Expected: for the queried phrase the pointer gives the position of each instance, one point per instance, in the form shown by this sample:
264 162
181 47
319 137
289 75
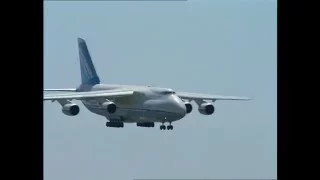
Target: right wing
88 95
201 97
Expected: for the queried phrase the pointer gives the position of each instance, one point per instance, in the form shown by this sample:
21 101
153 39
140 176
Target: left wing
89 95
202 97
62 90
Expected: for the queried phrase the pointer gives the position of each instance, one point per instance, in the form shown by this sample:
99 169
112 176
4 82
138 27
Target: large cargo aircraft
143 105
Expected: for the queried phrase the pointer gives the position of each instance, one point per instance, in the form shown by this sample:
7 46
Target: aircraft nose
179 106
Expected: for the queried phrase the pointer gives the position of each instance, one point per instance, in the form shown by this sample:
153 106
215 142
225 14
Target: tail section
88 73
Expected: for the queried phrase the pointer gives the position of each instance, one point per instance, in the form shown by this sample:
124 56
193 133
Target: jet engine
206 109
110 106
188 107
70 109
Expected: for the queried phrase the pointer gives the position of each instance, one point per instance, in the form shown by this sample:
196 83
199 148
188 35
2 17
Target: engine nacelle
206 109
70 109
188 107
110 106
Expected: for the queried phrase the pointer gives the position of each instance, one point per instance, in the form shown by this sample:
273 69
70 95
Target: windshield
167 92
162 91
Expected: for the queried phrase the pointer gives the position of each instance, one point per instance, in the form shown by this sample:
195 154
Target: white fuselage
148 104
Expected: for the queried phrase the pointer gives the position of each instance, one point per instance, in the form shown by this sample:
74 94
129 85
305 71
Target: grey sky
219 47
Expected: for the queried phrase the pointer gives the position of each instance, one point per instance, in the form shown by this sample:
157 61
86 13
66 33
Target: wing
89 95
63 90
202 97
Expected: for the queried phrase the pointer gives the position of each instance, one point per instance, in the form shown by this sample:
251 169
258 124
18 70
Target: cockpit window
168 92
162 91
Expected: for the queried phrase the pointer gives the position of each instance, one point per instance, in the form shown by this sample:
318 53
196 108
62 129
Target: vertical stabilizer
88 73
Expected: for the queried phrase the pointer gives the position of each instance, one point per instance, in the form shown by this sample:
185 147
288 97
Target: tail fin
88 73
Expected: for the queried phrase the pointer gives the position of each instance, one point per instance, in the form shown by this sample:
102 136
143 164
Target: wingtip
245 98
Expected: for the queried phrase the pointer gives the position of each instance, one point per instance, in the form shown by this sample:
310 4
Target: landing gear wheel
162 127
170 127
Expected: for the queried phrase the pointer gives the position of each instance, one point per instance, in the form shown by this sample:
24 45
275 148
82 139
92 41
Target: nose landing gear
163 127
170 127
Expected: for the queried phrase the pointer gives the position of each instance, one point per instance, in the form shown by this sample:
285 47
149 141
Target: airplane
119 104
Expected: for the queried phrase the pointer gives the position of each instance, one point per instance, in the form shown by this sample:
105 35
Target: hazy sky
208 46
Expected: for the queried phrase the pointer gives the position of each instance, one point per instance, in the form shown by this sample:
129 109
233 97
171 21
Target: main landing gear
163 127
145 124
115 124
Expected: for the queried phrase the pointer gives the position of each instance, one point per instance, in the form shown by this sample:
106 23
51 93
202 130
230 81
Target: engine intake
110 106
188 107
70 109
206 109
